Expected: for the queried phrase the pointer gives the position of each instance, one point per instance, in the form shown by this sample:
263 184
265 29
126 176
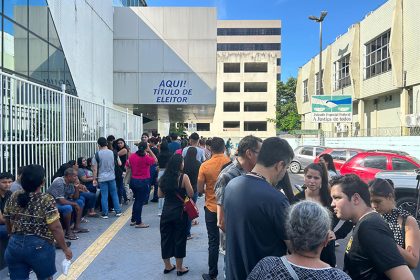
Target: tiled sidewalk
135 253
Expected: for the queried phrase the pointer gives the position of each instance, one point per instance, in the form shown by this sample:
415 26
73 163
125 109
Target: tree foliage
287 117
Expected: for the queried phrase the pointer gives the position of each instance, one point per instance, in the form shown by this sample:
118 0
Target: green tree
287 117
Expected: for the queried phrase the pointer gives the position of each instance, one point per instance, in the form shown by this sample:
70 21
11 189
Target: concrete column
361 116
404 101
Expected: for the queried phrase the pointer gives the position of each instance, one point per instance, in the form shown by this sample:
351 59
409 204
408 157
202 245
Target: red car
367 164
339 155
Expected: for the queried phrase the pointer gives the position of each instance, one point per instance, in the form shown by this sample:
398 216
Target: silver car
304 155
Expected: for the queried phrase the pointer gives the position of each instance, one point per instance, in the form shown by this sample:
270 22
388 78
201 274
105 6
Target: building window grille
248 31
305 91
231 107
255 126
231 87
231 67
203 126
342 72
377 59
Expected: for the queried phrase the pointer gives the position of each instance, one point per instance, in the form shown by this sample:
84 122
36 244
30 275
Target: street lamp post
320 19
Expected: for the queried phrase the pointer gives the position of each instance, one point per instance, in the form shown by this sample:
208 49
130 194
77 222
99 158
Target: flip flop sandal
71 236
141 226
81 230
166 271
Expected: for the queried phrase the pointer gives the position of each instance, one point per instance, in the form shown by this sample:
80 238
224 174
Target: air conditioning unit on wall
412 120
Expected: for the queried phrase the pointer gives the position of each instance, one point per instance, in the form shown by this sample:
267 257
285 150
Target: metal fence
376 132
43 126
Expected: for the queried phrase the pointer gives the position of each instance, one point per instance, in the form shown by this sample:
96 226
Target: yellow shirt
208 173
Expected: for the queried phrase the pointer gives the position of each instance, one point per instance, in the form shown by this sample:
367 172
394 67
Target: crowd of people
251 213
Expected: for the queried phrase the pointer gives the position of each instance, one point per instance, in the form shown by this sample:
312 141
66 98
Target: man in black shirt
371 252
255 211
6 180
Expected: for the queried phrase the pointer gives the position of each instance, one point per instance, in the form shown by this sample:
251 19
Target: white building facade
375 62
248 67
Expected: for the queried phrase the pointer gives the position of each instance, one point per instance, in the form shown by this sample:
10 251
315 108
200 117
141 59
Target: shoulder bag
189 206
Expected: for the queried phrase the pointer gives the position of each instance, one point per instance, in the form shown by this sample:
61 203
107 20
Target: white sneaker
104 216
118 214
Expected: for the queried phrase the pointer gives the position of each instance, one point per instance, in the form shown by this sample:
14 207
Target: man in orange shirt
207 177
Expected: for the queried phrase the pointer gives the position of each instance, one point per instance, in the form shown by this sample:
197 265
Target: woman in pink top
140 163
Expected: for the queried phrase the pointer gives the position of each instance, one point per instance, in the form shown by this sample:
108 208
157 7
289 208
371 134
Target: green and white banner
332 109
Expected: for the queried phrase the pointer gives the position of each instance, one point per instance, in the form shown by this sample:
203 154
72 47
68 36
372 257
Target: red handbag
189 207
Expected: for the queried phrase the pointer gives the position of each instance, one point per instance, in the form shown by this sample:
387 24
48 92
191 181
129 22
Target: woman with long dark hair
174 186
316 188
328 161
403 225
140 163
123 152
33 222
191 168
85 175
163 158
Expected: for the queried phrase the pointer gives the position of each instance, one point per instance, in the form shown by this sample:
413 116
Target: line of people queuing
271 233
247 199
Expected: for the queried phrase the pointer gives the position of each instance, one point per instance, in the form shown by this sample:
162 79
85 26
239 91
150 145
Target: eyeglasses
255 152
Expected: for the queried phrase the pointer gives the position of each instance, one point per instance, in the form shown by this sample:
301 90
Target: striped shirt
231 171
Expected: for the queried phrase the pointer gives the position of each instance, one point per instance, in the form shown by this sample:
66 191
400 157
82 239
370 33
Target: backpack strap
404 221
289 268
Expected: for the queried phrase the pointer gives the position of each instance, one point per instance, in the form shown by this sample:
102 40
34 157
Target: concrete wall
85 28
152 44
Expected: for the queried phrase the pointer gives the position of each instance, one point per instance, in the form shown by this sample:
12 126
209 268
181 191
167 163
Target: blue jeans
194 198
89 199
122 195
111 187
140 188
3 232
30 252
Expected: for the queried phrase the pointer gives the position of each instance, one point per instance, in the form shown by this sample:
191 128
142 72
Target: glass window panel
402 164
38 59
38 18
70 87
52 32
377 162
56 67
17 10
15 48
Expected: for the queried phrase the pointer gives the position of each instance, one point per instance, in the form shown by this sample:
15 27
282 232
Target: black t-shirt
3 200
255 215
163 159
371 250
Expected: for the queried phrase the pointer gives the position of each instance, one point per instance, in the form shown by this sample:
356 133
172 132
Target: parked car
367 164
339 155
405 185
304 155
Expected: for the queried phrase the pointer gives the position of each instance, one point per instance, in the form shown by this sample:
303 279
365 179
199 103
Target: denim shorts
26 252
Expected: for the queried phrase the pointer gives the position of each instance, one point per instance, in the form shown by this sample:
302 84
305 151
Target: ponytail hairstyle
382 187
142 149
32 178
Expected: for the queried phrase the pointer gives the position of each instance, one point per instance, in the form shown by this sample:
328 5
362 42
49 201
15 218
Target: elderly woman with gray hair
308 228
